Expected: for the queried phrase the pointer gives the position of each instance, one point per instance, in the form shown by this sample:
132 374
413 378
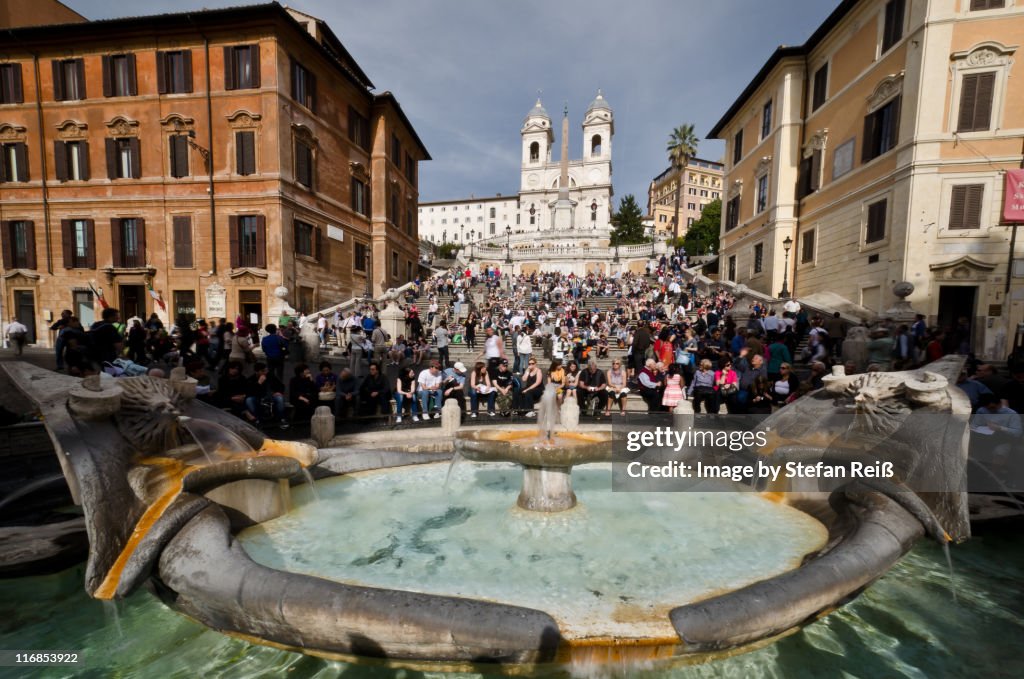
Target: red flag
1013 197
99 297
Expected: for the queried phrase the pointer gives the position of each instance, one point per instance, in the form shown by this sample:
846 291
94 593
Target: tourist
405 395
673 393
379 339
374 392
76 348
470 330
617 389
702 388
651 386
429 390
275 350
453 386
973 388
302 393
996 430
265 392
727 384
504 389
818 372
494 350
480 387
592 385
532 387
556 376
105 340
17 335
524 348
346 394
241 347
760 400
881 349
778 353
59 326
137 339
572 374
784 385
441 340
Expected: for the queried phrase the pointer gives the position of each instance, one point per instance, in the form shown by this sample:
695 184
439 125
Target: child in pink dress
673 389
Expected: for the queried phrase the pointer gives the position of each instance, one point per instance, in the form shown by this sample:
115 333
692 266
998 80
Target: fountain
402 570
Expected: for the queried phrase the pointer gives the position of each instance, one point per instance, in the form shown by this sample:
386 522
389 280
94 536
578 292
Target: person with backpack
275 351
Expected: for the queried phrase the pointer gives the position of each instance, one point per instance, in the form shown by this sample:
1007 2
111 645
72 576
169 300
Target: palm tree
682 145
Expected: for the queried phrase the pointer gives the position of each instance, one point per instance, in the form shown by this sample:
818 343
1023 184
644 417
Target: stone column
392 319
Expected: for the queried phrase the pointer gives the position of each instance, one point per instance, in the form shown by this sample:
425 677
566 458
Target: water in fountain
216 441
311 483
547 412
451 467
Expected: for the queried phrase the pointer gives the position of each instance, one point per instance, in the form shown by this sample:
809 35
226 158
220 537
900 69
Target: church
556 196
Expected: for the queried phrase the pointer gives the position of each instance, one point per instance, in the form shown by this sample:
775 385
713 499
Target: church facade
587 207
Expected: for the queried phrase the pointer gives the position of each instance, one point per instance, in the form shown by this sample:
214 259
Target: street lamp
508 244
369 274
462 235
786 245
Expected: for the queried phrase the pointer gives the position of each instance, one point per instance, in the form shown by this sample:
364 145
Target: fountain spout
547 413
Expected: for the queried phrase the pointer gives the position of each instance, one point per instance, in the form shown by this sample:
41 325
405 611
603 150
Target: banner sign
1013 197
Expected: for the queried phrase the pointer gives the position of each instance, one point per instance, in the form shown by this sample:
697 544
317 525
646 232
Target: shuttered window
358 129
11 89
737 147
245 152
303 86
965 206
820 91
123 160
14 162
128 242
893 29
976 93
732 268
119 78
876 222
396 151
810 174
68 79
987 4
174 72
303 164
248 241
182 238
881 130
304 239
79 243
766 119
360 197
732 213
360 253
71 160
241 67
807 247
19 244
177 147
758 258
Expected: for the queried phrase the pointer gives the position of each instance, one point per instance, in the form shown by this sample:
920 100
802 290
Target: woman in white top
617 389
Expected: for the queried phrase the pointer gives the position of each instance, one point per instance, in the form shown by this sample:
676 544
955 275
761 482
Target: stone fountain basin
528 447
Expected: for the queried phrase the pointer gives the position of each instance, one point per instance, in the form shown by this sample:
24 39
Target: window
691 206
703 193
534 152
79 241
307 240
245 152
360 256
174 72
732 214
119 76
128 242
876 222
182 235
19 244
820 91
177 146
303 86
977 5
241 67
185 304
248 234
492 213
303 164
395 213
358 129
810 174
893 28
396 151
410 169
690 221
11 90
360 197
123 158
593 213
759 258
807 247
491 226
68 79
595 145
976 94
766 120
965 206
881 130
762 193
14 162
737 147
732 267
306 297
408 271
71 160
394 265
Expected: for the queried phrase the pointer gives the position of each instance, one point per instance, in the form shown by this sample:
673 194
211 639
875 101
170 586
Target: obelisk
564 207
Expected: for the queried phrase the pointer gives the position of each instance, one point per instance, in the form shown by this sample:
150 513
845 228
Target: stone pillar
682 414
392 319
570 415
547 489
321 426
451 418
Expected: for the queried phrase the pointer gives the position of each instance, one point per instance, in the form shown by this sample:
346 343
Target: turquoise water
905 625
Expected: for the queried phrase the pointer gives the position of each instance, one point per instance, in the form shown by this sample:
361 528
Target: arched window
595 145
534 152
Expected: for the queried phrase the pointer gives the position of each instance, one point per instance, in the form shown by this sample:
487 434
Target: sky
466 72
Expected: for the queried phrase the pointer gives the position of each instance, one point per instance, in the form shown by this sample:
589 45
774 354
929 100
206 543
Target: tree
628 221
682 145
447 250
702 236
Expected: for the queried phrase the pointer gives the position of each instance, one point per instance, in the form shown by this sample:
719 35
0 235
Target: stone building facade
702 184
878 149
207 159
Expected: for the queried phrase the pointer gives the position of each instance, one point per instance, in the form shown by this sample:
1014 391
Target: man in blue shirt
275 350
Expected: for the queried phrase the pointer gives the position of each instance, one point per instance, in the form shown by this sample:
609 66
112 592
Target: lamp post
369 274
508 244
472 240
786 245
